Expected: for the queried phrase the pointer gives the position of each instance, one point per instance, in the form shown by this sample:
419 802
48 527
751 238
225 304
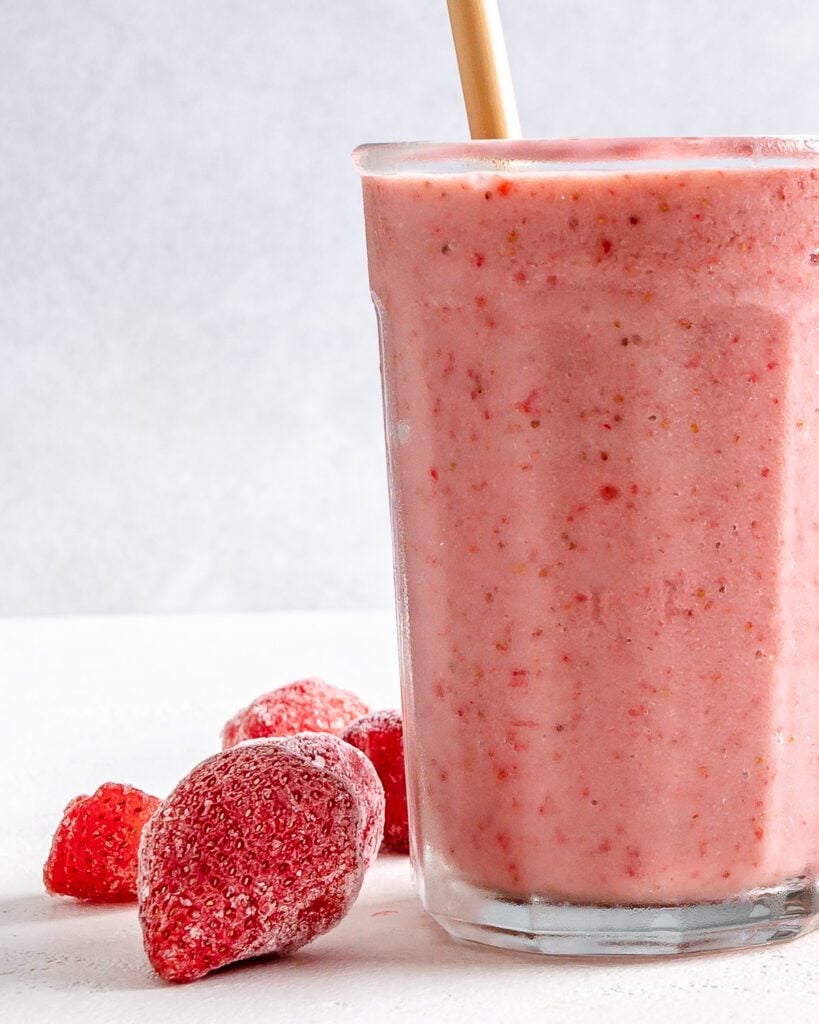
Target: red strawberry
381 737
93 853
258 850
308 705
326 751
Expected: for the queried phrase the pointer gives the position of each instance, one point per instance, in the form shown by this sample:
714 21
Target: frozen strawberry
324 750
381 737
257 851
308 705
93 853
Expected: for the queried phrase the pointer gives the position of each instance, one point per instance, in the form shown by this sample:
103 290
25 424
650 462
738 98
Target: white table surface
141 700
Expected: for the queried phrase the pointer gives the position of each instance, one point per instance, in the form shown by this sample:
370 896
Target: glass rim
551 156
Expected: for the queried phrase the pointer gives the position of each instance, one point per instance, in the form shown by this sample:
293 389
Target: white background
189 400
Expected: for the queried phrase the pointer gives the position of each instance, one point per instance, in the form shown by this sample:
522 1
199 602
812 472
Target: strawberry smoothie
602 405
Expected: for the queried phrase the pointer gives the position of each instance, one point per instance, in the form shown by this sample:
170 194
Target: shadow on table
391 937
35 908
54 942
60 944
398 935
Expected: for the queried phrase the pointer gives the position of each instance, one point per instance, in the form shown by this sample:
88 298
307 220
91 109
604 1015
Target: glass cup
600 366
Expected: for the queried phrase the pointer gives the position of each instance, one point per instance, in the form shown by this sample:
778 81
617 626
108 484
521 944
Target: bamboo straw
483 64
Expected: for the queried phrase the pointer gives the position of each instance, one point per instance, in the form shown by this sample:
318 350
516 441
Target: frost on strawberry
257 851
307 705
380 736
93 853
357 770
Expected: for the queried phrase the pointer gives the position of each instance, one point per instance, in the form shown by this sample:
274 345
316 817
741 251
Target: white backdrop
189 402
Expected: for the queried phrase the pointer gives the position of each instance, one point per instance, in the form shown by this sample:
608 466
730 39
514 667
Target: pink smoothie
602 397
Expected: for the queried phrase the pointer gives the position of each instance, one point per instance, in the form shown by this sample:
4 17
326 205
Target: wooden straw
483 64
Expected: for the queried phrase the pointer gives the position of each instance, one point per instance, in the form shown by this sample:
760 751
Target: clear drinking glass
601 388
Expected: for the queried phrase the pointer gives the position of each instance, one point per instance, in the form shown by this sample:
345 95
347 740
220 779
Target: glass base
759 917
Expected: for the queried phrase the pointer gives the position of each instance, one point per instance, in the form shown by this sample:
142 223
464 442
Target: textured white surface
142 700
189 399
